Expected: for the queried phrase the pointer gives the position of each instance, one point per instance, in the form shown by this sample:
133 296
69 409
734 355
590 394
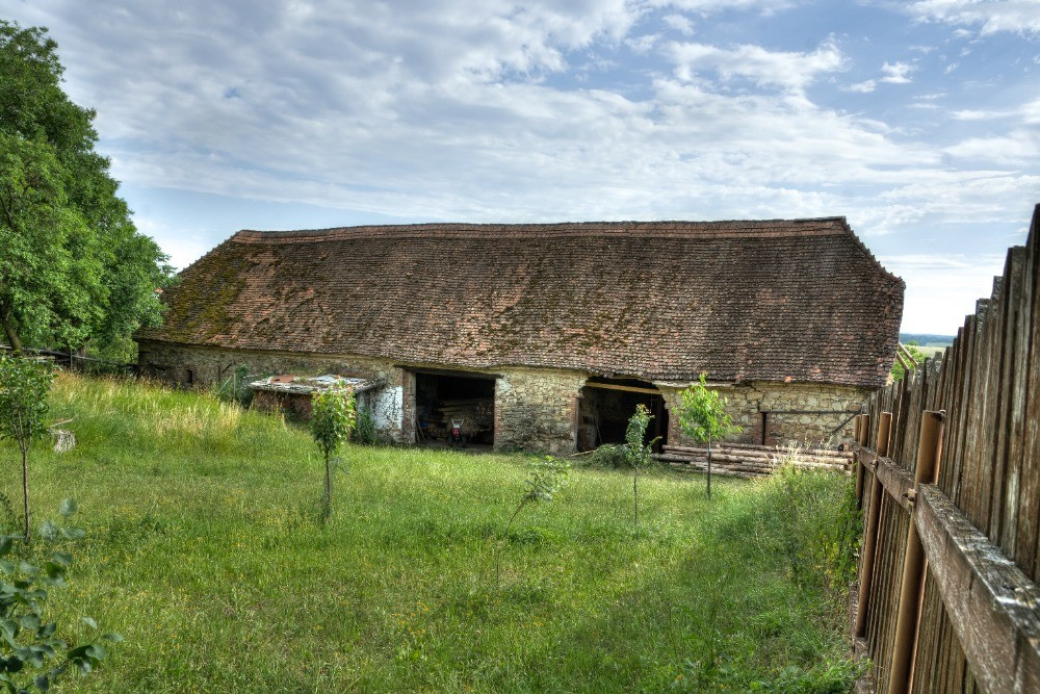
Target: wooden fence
948 477
74 361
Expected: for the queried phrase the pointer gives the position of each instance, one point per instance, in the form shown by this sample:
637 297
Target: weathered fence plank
897 481
1011 387
1029 484
970 621
994 606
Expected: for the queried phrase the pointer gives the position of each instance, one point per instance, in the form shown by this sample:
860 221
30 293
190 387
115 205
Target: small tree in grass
545 480
638 452
24 385
703 417
331 423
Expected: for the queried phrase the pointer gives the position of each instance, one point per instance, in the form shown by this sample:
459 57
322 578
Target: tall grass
205 551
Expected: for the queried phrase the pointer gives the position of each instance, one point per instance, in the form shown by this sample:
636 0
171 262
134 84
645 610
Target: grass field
932 352
204 550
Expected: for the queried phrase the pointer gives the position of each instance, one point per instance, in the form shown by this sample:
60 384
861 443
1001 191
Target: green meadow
206 552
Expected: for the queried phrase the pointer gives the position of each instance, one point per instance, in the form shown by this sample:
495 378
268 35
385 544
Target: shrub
546 478
820 550
24 385
611 456
703 417
365 432
32 655
331 422
638 452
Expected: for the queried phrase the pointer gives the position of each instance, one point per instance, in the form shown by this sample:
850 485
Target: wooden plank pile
749 461
477 415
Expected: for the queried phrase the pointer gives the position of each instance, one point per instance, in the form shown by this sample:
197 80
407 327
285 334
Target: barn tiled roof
762 300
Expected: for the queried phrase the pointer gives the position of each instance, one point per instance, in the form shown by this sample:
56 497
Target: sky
918 121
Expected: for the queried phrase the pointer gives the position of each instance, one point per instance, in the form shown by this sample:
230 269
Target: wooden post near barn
861 432
914 564
870 529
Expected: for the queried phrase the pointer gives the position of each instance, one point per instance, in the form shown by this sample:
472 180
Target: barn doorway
606 405
444 397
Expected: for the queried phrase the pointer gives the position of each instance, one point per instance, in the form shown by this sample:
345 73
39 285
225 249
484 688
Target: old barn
547 335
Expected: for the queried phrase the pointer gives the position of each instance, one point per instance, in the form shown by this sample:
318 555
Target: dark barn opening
607 404
443 398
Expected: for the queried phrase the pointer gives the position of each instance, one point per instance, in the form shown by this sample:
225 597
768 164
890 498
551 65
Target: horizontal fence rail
948 477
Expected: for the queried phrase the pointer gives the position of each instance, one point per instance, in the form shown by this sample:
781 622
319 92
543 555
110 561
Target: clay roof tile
747 300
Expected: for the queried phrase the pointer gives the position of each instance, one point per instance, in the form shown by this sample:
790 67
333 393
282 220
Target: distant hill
927 340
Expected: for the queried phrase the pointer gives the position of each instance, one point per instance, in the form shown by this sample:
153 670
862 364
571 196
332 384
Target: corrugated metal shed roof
304 385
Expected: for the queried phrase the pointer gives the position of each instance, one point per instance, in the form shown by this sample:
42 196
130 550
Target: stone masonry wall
208 366
536 409
793 413
205 367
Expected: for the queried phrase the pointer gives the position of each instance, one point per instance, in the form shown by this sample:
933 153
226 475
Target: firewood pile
749 461
477 415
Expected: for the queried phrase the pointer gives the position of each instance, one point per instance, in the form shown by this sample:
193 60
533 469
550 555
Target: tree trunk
709 467
635 492
25 490
10 329
327 511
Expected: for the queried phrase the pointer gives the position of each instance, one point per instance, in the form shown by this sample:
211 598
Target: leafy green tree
638 452
898 373
73 269
24 385
332 420
703 417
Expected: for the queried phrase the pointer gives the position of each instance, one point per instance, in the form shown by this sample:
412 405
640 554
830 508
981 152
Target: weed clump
365 432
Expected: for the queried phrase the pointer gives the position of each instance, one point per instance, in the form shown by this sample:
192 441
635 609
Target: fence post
861 440
907 622
870 530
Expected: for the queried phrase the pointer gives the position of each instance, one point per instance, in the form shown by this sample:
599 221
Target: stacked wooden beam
749 461
477 415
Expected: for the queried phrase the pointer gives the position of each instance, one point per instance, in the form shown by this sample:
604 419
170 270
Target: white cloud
1014 149
896 73
474 110
643 44
680 23
976 115
781 69
991 16
945 287
765 7
183 246
1030 112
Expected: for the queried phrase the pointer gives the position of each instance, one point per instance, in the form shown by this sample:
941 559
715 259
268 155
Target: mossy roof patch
759 300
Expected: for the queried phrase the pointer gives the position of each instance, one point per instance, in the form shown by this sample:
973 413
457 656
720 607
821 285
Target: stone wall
208 366
790 413
205 367
536 409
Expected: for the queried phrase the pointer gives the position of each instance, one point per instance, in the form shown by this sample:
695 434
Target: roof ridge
859 244
787 227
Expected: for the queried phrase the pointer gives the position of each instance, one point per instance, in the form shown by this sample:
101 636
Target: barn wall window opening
607 404
443 400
